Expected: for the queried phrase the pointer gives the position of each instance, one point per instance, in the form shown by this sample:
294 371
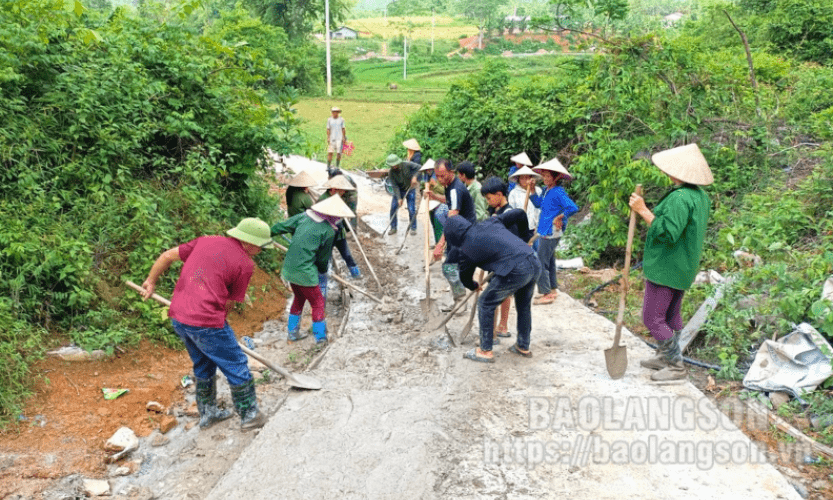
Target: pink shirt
215 269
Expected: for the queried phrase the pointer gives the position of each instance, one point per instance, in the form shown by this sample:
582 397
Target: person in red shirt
215 275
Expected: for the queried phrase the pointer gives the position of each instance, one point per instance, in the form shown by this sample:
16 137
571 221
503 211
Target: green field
414 26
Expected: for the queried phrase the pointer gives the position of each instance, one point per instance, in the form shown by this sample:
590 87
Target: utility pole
327 43
405 58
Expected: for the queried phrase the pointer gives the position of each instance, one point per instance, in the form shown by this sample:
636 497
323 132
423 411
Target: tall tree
482 12
299 18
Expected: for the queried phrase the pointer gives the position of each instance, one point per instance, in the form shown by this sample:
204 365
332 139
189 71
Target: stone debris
159 440
155 406
123 440
133 492
75 353
167 423
96 487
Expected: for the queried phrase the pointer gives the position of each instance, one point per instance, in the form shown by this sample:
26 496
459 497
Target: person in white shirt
517 196
336 135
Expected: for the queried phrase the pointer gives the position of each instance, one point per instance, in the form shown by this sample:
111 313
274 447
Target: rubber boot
293 327
322 284
210 413
245 403
660 359
355 272
319 330
674 357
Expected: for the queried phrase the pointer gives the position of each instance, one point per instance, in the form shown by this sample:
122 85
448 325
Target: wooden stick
789 429
366 260
158 298
354 287
528 192
620 317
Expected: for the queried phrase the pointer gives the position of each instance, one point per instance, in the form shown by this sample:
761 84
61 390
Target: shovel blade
430 310
304 382
616 359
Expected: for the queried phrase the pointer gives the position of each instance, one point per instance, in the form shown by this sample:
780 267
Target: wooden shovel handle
620 317
158 298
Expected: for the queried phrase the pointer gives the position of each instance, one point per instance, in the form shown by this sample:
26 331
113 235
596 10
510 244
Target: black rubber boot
206 394
663 354
245 403
675 370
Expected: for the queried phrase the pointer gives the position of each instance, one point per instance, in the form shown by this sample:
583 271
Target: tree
299 18
482 12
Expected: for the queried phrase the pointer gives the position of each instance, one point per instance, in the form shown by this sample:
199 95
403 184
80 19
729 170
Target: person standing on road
339 185
215 274
465 171
436 208
673 248
491 247
306 261
402 177
517 195
297 196
413 151
556 207
459 202
494 190
336 135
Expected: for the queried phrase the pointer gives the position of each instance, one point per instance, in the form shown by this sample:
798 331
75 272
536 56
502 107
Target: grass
370 125
445 28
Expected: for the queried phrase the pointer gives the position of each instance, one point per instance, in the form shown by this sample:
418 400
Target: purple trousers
661 310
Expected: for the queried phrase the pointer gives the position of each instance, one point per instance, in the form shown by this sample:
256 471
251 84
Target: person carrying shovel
491 247
673 247
306 261
215 275
403 179
339 185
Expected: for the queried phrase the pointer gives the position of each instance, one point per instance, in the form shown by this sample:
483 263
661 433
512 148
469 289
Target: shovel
405 237
366 260
616 357
437 325
429 306
467 328
354 287
295 380
396 212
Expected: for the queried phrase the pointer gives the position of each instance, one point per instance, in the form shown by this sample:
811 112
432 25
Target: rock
167 423
192 410
155 406
133 492
73 353
121 471
819 484
746 259
778 399
96 487
123 440
159 440
190 425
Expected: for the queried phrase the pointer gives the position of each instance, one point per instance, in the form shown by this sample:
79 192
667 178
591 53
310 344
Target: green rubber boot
210 413
675 370
663 354
245 403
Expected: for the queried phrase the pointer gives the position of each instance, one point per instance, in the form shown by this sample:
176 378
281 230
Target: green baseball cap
393 160
252 230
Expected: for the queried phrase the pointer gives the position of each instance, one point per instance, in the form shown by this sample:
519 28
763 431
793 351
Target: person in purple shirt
556 207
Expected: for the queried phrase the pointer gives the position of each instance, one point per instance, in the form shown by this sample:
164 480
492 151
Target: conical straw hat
412 144
302 180
334 206
522 158
339 182
685 163
429 165
525 171
555 166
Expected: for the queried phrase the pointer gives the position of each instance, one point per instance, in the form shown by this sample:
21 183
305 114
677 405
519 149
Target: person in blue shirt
556 207
514 267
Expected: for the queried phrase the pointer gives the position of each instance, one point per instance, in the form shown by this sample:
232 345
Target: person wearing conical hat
339 185
673 247
215 274
413 151
336 135
297 195
435 208
403 179
518 161
306 260
517 195
556 207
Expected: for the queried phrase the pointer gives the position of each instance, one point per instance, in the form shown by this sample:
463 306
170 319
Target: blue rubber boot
319 329
355 272
293 327
322 284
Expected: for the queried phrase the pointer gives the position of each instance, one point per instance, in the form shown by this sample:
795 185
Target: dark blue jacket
487 245
458 198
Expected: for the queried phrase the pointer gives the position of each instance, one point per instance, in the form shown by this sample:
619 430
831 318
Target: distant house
672 19
344 33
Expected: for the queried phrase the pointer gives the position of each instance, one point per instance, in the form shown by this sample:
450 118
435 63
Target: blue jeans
546 254
212 348
344 250
520 282
394 205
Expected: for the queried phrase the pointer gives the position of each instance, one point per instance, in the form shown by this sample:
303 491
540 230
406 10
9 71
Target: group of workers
510 231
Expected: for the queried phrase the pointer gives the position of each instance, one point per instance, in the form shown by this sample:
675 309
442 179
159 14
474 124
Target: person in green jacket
673 247
465 171
306 260
298 198
340 185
